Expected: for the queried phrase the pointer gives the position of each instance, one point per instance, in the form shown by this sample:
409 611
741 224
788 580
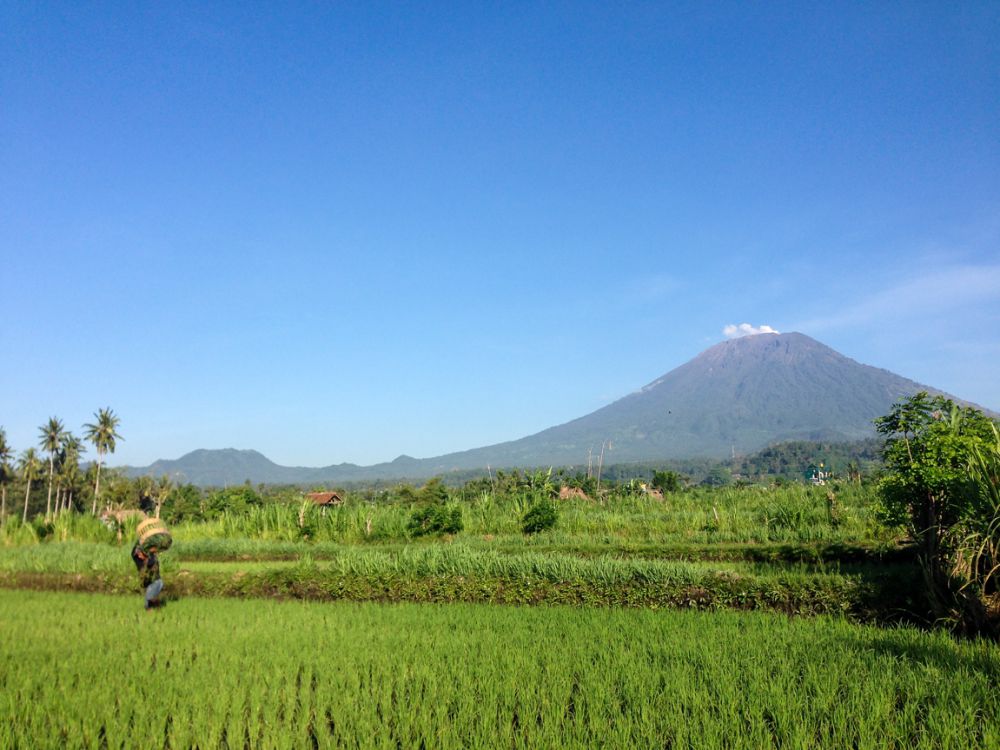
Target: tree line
67 483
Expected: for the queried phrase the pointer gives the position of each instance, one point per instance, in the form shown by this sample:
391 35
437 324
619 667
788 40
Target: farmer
148 566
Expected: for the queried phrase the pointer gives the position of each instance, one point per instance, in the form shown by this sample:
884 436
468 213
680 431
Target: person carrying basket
153 538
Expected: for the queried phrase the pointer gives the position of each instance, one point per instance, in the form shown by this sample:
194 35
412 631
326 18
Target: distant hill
220 467
215 468
227 466
738 396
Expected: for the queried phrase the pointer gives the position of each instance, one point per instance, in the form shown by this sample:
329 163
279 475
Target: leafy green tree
186 503
718 476
50 440
6 471
118 491
103 434
237 499
666 481
434 491
30 466
930 454
406 493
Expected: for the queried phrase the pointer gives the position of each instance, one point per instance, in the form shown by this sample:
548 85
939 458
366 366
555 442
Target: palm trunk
48 501
27 492
3 503
97 482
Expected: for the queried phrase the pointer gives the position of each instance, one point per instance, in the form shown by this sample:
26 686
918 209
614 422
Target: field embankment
456 573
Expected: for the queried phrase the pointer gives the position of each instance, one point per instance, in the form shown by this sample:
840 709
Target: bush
541 516
435 519
666 481
937 475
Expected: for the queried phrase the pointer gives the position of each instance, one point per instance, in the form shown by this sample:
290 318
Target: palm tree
51 435
161 490
30 466
6 453
103 436
69 467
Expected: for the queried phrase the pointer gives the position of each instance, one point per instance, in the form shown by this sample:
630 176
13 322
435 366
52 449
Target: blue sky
344 232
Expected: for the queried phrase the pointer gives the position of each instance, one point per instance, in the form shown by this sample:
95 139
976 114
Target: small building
325 499
818 475
572 493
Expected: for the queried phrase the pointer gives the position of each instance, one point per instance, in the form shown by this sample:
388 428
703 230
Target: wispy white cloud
929 294
732 331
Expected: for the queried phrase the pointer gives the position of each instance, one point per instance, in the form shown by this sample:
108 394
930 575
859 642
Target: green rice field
93 670
735 619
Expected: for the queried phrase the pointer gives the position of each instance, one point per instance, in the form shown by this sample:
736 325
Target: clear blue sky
341 232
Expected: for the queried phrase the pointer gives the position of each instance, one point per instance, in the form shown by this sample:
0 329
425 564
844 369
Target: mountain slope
220 467
738 395
741 394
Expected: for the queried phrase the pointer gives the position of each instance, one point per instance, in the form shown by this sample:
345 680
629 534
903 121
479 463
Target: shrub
435 519
540 517
934 457
666 481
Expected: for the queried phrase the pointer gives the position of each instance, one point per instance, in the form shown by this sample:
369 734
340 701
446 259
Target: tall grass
460 573
409 561
794 514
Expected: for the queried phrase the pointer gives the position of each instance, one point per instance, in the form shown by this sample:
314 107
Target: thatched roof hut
325 499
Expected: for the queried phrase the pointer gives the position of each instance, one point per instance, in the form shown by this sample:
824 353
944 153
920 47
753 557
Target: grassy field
84 670
749 516
657 623
792 514
456 572
784 549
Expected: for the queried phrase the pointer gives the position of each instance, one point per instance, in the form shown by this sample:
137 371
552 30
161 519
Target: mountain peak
740 394
743 394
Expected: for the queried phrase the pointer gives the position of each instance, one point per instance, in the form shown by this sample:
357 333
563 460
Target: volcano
738 396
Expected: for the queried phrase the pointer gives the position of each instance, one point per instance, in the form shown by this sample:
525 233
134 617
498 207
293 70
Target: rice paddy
84 670
655 624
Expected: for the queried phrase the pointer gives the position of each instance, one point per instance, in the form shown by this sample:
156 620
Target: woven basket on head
153 533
